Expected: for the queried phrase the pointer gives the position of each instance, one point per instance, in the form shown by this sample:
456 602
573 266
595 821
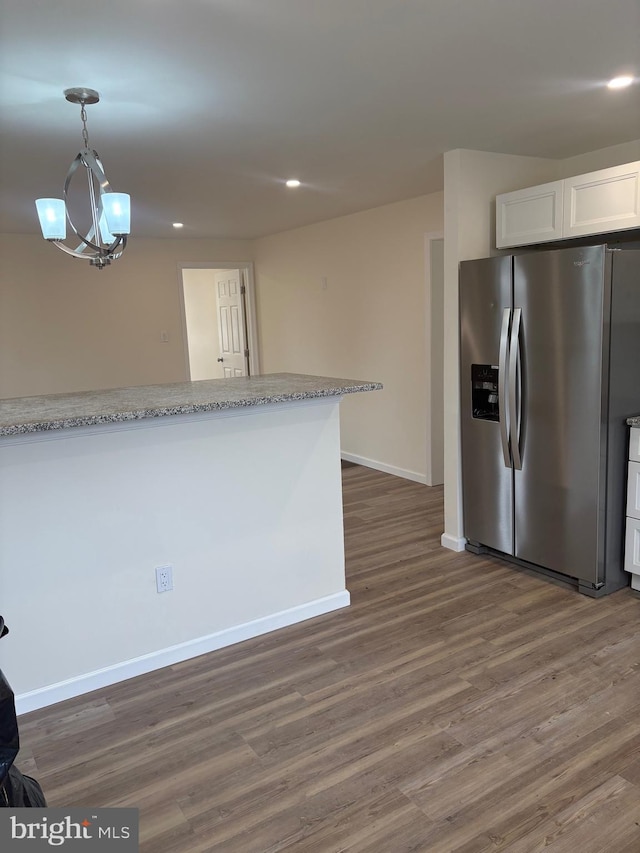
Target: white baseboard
453 543
52 693
382 466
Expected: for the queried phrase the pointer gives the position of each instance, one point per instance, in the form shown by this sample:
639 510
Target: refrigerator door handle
515 398
502 387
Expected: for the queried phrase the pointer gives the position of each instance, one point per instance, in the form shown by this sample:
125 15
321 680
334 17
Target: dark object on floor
9 740
21 792
16 789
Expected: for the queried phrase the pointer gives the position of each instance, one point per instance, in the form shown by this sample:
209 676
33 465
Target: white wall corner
453 543
414 476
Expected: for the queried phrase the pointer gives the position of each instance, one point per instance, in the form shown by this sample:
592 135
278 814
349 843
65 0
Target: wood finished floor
457 705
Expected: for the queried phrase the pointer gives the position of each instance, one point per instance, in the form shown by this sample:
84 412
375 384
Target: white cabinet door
532 215
633 490
632 537
606 200
632 551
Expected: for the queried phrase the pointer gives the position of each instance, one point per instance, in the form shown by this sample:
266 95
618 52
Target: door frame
249 307
434 368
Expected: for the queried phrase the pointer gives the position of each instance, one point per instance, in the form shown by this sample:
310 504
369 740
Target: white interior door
231 329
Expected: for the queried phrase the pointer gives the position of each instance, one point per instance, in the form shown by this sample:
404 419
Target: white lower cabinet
632 551
633 490
632 538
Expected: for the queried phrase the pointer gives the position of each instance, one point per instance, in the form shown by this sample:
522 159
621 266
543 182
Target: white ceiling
207 106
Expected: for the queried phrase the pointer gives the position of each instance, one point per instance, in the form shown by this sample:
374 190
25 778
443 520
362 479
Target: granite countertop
21 415
634 422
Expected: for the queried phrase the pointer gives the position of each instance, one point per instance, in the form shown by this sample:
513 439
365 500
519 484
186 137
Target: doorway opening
217 301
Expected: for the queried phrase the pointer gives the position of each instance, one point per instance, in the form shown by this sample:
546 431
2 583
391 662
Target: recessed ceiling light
620 82
178 225
293 183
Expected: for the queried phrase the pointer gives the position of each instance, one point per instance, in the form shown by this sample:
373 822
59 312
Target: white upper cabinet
608 200
596 203
533 215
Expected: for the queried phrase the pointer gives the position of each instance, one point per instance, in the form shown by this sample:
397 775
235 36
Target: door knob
221 359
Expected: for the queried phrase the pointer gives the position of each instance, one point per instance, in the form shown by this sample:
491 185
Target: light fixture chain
85 132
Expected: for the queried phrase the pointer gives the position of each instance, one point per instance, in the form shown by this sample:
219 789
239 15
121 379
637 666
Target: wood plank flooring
458 706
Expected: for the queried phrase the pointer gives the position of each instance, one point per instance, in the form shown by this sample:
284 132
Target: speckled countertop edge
23 415
634 421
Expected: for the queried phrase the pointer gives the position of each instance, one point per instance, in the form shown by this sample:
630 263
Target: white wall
200 308
472 181
616 155
65 326
244 504
369 322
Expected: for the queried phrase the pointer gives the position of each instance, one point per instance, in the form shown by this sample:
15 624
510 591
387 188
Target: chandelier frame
99 246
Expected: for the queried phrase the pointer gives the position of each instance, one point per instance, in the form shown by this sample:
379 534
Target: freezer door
558 519
487 477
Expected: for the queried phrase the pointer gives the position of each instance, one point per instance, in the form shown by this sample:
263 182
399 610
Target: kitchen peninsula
233 484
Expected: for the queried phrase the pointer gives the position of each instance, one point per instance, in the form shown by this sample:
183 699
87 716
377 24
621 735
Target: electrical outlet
164 578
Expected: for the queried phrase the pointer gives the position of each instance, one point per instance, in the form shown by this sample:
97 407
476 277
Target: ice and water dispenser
484 392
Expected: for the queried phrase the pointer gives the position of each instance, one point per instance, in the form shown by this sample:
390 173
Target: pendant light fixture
106 239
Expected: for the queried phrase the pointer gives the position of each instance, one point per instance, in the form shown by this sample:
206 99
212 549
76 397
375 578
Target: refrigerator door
485 321
558 516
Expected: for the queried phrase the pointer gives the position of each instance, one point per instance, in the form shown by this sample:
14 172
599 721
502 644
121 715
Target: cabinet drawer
633 490
632 546
634 445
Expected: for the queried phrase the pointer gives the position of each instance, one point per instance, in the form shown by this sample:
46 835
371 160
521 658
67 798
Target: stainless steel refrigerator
549 371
